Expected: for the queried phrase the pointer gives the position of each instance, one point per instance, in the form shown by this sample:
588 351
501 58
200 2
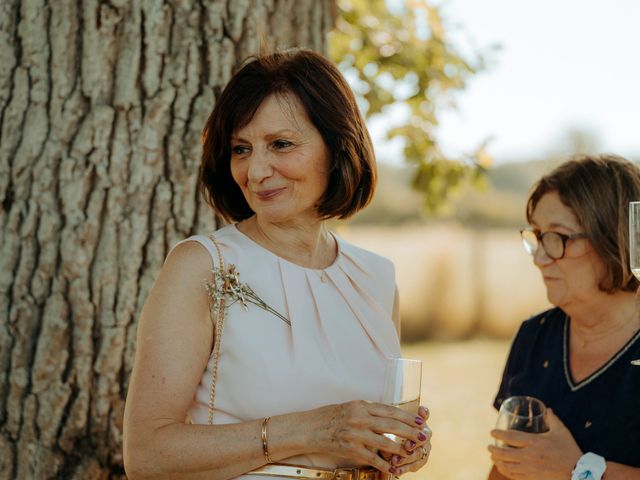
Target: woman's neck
611 315
306 244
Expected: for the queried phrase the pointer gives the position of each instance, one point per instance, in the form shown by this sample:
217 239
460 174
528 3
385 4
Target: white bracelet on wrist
589 467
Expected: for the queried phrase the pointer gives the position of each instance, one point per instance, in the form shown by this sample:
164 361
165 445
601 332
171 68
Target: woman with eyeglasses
577 356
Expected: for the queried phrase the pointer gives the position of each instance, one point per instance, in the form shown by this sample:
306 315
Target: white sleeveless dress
334 351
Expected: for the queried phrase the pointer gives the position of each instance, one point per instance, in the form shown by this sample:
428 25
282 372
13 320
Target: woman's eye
240 149
281 144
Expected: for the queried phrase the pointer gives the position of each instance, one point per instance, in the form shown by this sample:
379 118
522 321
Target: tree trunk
102 104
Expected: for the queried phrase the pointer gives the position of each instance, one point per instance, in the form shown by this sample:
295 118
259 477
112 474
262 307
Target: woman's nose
540 257
259 167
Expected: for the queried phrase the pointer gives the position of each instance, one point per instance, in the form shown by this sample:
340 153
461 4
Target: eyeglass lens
551 242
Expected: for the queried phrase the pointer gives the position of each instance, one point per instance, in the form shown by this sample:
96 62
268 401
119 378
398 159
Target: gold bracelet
265 446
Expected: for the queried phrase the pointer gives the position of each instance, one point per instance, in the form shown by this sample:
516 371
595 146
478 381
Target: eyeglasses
553 243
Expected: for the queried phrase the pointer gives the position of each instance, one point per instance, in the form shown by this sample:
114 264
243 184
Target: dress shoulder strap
216 309
208 243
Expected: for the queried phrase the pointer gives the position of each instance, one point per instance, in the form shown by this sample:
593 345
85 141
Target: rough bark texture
101 108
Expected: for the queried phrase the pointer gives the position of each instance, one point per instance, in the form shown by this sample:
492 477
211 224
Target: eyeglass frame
539 237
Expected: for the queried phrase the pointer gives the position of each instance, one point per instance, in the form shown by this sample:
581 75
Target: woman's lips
268 194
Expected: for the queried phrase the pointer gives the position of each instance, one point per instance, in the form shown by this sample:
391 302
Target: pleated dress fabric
334 351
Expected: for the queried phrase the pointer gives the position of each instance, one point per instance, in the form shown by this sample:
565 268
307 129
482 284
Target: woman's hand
355 430
551 455
416 455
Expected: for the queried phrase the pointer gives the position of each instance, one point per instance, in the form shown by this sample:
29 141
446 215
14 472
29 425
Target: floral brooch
227 285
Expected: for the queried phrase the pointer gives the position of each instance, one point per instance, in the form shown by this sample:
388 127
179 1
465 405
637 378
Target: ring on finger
424 453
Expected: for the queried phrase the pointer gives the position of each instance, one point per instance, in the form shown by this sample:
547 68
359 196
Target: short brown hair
598 189
331 107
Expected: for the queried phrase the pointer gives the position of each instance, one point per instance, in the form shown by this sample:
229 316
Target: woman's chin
555 298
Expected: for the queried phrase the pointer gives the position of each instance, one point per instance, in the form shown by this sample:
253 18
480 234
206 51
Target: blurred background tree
399 61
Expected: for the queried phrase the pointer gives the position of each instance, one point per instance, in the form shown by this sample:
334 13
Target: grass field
459 382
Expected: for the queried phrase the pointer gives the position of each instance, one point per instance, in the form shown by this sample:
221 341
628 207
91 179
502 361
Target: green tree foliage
397 53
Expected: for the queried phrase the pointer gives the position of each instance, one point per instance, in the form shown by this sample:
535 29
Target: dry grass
459 382
456 282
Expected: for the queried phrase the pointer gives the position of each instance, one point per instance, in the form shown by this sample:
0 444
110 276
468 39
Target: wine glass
526 414
634 245
401 388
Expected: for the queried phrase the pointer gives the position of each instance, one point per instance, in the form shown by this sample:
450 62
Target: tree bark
102 104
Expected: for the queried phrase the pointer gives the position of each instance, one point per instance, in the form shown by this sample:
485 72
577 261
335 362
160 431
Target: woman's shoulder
228 233
364 258
188 255
206 245
551 315
538 335
542 323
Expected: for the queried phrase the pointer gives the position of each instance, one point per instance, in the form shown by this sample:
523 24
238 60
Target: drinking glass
401 388
526 414
634 245
634 238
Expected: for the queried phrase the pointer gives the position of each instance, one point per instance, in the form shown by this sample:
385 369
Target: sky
562 65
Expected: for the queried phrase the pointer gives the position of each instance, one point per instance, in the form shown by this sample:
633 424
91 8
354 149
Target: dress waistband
299 471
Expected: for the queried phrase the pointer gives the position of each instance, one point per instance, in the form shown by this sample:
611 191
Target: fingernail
411 445
422 437
419 420
396 459
393 470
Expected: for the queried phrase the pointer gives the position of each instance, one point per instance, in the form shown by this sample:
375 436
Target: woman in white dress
293 374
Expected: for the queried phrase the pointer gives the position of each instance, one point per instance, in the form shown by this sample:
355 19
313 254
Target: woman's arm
617 471
551 455
173 346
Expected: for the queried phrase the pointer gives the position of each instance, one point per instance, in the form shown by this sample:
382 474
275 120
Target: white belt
299 471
